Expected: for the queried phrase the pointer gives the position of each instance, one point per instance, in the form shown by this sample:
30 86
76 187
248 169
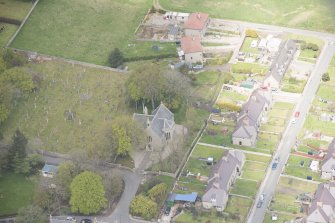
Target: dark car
259 204
309 178
274 166
167 210
85 220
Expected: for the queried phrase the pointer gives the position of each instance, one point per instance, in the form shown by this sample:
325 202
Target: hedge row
228 106
150 57
10 21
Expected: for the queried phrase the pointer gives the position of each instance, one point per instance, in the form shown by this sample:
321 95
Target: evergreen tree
116 58
17 151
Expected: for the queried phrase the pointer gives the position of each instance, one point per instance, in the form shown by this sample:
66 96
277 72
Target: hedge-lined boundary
150 57
10 21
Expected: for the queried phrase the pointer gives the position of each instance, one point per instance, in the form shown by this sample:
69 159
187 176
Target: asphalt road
289 137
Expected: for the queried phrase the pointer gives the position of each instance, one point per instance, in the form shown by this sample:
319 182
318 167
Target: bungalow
222 177
322 209
280 64
192 51
250 117
49 170
196 25
328 164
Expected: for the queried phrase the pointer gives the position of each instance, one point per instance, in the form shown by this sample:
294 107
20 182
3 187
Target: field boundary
70 61
22 24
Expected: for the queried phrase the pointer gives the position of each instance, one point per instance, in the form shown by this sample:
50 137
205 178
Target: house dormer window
149 139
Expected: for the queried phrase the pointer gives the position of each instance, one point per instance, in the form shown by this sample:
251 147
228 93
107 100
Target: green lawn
253 174
207 78
313 123
16 191
88 31
287 191
258 158
187 217
7 33
231 96
15 9
192 185
245 188
293 168
281 217
247 68
307 14
92 94
293 85
267 141
238 206
283 105
214 134
196 166
246 47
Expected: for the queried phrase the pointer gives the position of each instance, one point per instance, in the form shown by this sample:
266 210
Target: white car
294 121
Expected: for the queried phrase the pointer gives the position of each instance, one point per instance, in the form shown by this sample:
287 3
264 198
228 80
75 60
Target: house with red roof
196 25
191 49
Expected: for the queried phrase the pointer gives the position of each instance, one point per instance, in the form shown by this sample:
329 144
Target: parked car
259 204
297 114
274 166
261 198
70 218
309 178
198 67
86 220
294 121
167 210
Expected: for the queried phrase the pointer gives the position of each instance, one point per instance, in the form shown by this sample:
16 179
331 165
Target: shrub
251 33
325 77
227 77
229 106
14 59
116 58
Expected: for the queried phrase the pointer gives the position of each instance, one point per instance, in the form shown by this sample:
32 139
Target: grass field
286 194
88 31
7 33
248 68
16 191
15 9
244 187
307 14
294 168
93 95
246 47
196 166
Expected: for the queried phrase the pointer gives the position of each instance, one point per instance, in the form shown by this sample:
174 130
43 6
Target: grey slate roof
218 183
282 60
250 113
323 196
330 152
160 119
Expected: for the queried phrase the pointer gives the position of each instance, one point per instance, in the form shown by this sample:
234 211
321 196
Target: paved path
268 186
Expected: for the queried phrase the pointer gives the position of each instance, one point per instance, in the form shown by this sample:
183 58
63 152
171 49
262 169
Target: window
167 136
149 139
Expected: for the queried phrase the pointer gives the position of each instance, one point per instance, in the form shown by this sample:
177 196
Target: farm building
191 49
196 25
